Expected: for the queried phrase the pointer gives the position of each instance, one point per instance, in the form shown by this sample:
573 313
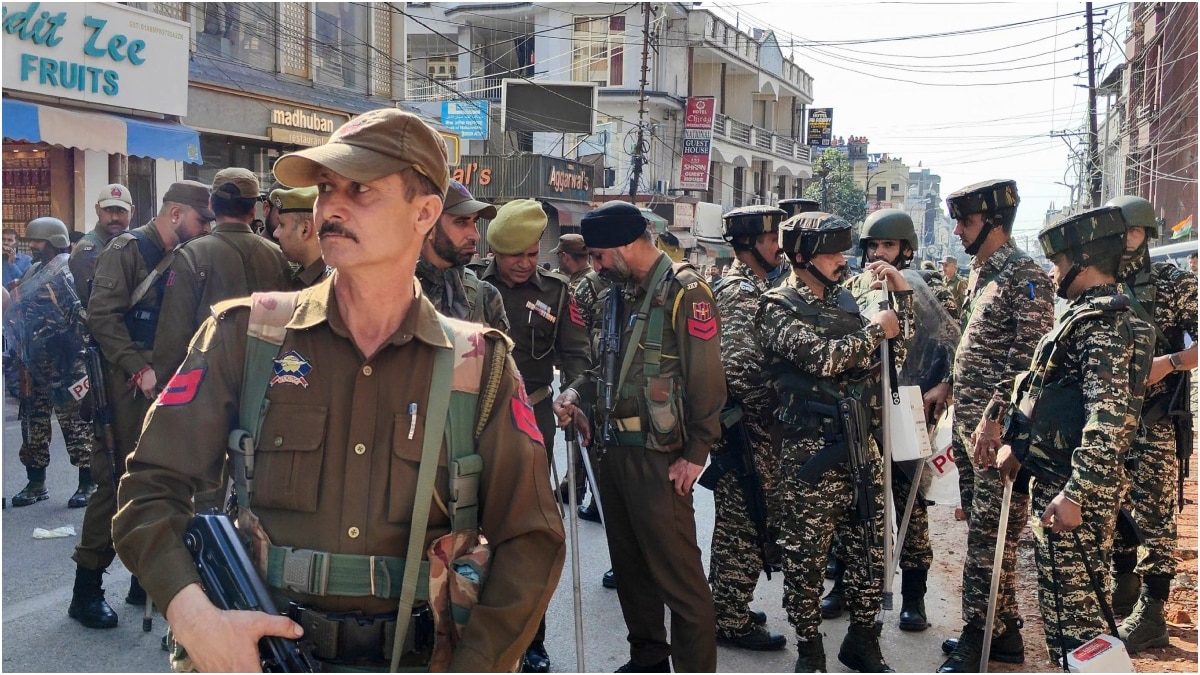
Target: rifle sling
660 270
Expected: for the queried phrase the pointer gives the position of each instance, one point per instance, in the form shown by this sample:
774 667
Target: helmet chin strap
983 234
767 267
1067 280
825 281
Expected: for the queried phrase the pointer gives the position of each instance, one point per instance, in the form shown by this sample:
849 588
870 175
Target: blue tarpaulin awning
103 132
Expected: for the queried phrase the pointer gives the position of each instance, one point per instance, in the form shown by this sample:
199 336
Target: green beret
518 225
293 200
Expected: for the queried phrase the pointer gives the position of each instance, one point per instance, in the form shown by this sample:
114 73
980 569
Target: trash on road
64 531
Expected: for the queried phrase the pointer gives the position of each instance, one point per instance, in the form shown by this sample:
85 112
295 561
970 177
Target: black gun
231 582
1180 411
852 448
610 353
737 457
101 410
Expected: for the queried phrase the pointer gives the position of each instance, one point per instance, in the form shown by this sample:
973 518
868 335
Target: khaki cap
235 183
459 202
518 225
115 194
572 244
294 200
191 193
373 145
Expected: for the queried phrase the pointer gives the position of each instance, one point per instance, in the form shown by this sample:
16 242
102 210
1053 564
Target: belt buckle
299 566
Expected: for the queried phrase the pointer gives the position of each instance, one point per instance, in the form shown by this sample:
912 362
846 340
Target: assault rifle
231 582
737 457
102 411
852 449
610 353
1180 411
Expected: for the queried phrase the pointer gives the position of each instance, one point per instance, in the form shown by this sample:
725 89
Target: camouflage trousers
810 515
1151 469
36 433
735 560
1080 618
917 553
981 491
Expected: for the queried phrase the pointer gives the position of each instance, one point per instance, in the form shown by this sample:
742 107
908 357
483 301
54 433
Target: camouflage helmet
814 233
1071 234
741 226
991 198
795 207
49 229
1138 212
889 224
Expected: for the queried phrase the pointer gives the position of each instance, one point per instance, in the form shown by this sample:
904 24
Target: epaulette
557 276
220 309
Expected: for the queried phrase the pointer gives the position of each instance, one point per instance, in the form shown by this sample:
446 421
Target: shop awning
715 250
657 222
569 213
102 132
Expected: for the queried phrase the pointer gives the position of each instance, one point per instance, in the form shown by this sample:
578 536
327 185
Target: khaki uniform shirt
308 276
119 270
231 262
337 469
541 333
691 350
83 261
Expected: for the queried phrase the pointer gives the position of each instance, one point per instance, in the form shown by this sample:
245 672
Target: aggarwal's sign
98 53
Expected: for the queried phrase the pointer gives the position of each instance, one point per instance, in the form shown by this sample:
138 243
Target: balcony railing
741 133
728 38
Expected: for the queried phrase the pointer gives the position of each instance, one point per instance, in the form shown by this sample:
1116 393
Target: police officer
1164 296
546 326
822 355
453 287
1072 419
296 233
337 471
888 235
956 283
231 263
1007 311
741 548
46 328
122 317
114 211
665 418
574 261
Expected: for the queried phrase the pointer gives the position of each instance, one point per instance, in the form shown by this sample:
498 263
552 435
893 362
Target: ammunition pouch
664 410
320 573
1056 420
354 638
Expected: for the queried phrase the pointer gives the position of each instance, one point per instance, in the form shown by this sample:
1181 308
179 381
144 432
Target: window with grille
598 50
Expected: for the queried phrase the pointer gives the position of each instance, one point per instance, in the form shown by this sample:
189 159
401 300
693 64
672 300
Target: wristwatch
1176 362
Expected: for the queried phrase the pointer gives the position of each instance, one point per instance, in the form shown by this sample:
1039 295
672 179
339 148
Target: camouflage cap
751 221
814 233
797 206
1075 231
987 197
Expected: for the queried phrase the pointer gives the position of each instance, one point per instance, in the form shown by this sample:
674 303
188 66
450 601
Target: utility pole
1093 160
639 152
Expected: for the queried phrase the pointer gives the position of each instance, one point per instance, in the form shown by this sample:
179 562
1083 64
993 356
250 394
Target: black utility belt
358 639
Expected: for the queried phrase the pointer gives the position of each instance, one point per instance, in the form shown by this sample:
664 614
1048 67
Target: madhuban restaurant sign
302 127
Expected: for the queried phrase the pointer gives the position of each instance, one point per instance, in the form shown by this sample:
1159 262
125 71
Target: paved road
39 637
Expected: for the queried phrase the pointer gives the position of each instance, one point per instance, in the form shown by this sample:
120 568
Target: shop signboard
697 142
820 127
95 52
528 176
468 119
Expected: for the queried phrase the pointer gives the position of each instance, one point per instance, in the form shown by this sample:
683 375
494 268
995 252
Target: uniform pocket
287 464
664 400
406 462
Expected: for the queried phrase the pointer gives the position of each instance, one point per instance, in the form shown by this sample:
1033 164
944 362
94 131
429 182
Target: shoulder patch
523 417
182 387
702 324
748 287
694 284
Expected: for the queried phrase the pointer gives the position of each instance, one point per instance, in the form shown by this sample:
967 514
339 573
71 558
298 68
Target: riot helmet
997 200
889 224
1095 237
1137 212
816 232
49 229
794 207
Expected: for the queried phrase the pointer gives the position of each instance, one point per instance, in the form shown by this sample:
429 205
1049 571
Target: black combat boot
755 638
663 666
912 592
810 655
137 594
833 604
590 512
35 490
758 618
87 601
87 487
609 580
1008 647
832 565
536 659
1146 625
860 649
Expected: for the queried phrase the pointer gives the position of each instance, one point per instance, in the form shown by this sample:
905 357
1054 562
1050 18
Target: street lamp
823 173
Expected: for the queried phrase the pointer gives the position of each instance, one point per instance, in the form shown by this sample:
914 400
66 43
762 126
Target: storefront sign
293 137
472 175
468 119
310 120
697 142
525 176
820 127
97 52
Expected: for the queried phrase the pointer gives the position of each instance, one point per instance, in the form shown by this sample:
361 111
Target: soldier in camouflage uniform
956 283
1164 296
1009 308
821 352
1072 418
453 288
44 323
889 235
737 556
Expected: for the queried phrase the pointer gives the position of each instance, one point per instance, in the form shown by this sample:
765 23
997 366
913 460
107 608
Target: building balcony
706 29
761 140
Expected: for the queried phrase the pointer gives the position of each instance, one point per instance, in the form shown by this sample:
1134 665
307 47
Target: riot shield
45 329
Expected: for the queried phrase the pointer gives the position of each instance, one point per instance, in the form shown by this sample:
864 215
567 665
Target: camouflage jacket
941 290
590 293
1081 397
737 297
1009 307
44 326
958 292
1168 296
459 293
